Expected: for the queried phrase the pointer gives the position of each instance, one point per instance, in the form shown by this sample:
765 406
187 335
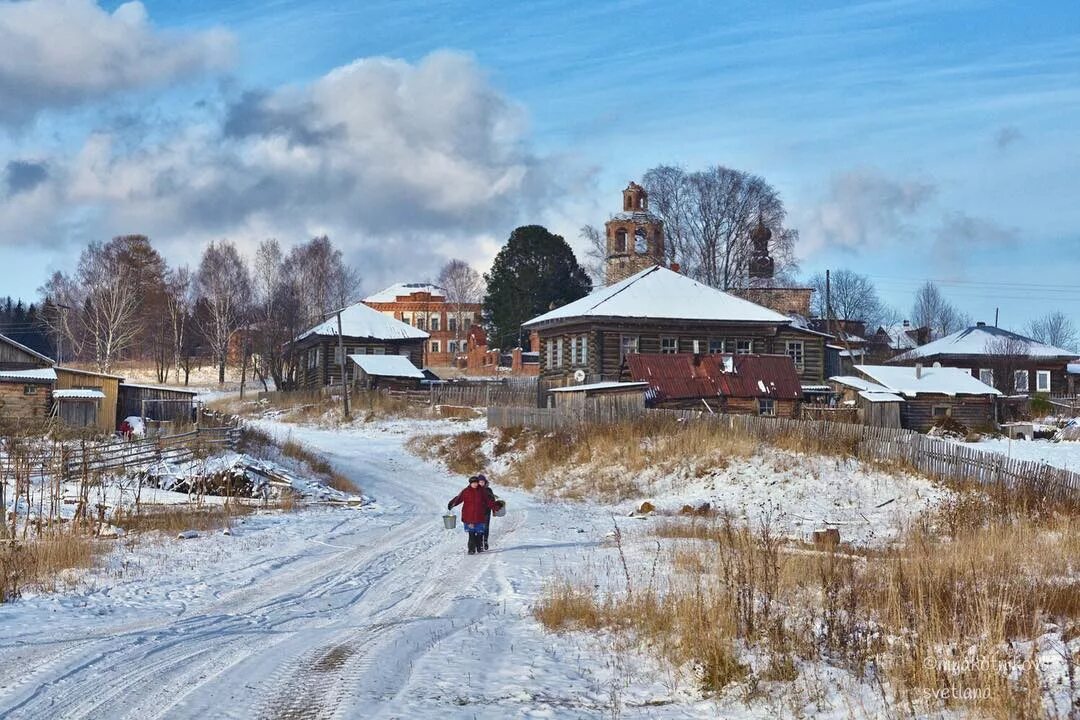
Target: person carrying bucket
476 506
486 487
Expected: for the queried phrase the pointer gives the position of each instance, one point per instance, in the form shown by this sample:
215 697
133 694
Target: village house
765 385
364 331
894 339
659 311
1013 363
451 327
923 394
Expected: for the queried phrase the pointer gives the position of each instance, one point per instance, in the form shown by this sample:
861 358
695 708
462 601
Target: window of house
419 323
583 355
744 347
1020 381
451 346
550 359
451 324
558 352
1042 381
29 389
434 346
381 351
573 351
628 344
467 324
941 411
716 346
696 346
464 346
435 324
669 345
795 352
337 355
620 241
766 406
986 376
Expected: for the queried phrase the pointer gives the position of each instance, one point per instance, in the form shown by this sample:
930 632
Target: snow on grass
1064 454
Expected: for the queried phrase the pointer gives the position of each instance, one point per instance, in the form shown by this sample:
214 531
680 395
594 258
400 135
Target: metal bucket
449 521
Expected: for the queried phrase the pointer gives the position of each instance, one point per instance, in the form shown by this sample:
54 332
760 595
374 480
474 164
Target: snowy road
342 613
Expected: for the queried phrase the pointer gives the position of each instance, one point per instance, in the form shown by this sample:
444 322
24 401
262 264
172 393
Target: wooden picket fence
938 459
93 457
484 395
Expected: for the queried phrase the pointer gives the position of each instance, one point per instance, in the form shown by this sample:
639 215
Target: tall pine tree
534 272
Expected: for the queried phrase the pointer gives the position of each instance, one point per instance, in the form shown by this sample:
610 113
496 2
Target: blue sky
910 140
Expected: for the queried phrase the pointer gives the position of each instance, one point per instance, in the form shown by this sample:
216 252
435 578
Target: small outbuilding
393 372
930 394
614 400
154 403
26 394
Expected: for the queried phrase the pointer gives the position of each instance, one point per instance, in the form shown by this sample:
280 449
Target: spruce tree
533 273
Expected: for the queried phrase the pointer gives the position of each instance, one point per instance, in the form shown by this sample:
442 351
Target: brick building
452 328
635 237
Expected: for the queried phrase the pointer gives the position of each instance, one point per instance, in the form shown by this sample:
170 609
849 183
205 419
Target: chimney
918 371
980 324
675 267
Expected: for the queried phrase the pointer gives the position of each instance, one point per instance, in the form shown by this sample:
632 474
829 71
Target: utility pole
341 352
828 303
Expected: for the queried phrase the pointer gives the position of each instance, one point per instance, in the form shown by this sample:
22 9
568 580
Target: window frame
716 346
934 411
435 346
1039 375
800 362
559 352
990 372
1016 381
767 407
30 389
739 342
669 345
628 348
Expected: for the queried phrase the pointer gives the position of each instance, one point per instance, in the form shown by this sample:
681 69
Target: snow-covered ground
1064 454
377 612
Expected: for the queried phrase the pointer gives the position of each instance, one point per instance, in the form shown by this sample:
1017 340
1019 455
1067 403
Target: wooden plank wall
940 460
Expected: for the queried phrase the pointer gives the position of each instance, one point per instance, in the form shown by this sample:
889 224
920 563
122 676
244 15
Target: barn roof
38 375
973 341
686 376
661 294
29 351
360 321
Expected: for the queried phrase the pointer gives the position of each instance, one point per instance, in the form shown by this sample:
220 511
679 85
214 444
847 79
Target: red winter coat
475 504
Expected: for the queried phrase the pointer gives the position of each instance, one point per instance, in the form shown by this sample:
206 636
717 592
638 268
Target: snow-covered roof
637 216
603 386
360 321
899 339
1073 368
936 380
78 395
392 293
973 341
876 397
36 375
659 293
29 351
387 366
858 383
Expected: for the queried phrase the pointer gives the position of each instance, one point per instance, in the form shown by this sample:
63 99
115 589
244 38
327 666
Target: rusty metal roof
685 376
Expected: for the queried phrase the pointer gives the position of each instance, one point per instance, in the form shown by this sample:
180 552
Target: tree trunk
221 370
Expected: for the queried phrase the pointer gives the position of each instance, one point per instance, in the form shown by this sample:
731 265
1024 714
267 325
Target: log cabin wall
19 404
318 366
974 411
604 340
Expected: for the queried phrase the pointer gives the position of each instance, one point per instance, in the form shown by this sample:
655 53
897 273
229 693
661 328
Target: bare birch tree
595 254
852 296
1008 356
463 287
224 292
932 310
179 305
1054 328
709 216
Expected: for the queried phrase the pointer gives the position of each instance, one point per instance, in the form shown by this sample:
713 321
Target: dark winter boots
476 543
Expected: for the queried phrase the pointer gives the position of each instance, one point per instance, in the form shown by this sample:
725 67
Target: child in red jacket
475 505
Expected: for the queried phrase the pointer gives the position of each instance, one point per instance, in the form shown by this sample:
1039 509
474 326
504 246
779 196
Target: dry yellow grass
42 563
939 616
460 451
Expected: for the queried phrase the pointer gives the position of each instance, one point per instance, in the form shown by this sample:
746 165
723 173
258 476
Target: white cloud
401 164
862 209
58 53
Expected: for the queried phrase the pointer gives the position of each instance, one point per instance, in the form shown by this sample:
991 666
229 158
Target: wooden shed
393 372
612 400
156 403
16 356
86 399
26 395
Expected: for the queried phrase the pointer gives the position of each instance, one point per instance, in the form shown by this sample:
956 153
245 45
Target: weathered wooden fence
90 457
484 395
935 458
